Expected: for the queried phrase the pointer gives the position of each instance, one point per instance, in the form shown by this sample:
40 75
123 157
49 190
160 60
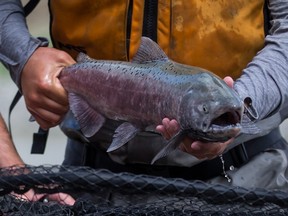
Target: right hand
45 97
199 149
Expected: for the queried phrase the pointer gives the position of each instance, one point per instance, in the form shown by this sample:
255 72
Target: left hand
61 198
201 150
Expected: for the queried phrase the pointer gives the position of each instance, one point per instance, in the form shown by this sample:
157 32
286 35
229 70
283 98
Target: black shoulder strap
39 141
29 7
267 18
39 138
13 104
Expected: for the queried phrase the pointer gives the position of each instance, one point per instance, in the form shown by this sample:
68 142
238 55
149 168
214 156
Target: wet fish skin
142 92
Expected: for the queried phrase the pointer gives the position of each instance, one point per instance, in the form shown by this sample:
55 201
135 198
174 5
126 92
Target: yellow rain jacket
221 36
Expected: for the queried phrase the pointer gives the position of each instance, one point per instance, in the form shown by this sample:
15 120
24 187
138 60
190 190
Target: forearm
8 153
16 43
265 80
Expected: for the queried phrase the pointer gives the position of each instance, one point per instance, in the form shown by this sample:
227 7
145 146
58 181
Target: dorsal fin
82 57
149 51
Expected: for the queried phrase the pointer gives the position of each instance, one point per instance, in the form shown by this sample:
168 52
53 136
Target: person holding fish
225 37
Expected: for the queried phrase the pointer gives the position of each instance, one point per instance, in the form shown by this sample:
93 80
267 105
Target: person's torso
221 36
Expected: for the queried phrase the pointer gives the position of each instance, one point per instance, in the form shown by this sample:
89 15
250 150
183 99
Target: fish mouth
221 128
226 119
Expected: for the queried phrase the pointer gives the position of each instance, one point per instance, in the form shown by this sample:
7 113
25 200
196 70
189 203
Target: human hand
61 198
9 158
44 95
201 150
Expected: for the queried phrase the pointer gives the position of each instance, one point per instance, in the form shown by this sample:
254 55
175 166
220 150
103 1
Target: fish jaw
219 129
215 133
211 112
226 125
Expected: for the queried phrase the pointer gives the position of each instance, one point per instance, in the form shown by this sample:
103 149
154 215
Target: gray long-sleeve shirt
16 43
265 80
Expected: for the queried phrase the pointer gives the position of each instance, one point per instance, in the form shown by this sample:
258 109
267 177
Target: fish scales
128 92
142 92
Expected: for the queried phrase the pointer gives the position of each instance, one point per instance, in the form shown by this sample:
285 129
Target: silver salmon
144 91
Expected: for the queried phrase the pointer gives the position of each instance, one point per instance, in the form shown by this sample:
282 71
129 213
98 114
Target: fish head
210 110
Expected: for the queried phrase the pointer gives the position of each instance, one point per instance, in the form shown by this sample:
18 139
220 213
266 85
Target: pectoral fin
171 145
123 134
90 120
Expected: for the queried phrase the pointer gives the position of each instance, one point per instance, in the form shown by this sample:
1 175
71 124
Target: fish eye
205 109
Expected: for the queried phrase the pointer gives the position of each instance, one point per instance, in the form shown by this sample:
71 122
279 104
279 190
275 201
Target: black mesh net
101 192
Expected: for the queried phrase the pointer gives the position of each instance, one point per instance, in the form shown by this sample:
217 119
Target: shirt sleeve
265 80
16 43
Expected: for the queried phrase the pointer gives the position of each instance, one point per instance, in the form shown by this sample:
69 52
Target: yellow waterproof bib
221 36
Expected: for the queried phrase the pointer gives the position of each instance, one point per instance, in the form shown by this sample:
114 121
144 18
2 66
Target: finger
47 110
229 81
171 126
48 116
38 100
162 130
57 93
29 195
50 106
50 119
206 150
36 197
62 198
165 122
64 58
